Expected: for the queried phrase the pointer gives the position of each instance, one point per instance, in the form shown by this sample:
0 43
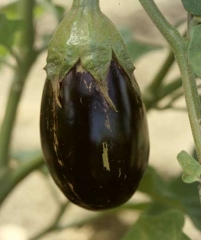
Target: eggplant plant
93 122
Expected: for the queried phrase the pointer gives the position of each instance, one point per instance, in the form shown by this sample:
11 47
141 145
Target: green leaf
3 54
153 184
8 28
24 155
159 190
60 12
188 196
3 51
192 6
55 9
10 10
166 226
38 10
136 48
142 206
194 50
171 194
191 168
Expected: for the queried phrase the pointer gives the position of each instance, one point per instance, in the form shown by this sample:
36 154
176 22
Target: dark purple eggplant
95 154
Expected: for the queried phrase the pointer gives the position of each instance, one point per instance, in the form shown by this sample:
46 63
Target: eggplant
96 154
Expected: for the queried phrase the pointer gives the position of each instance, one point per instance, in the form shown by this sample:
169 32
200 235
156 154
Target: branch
28 56
26 8
179 47
150 93
13 177
14 55
170 88
54 225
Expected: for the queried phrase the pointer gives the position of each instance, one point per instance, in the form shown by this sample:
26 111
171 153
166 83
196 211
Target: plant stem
14 176
28 56
54 225
26 8
15 55
87 4
150 94
170 88
179 47
189 18
199 190
10 113
162 72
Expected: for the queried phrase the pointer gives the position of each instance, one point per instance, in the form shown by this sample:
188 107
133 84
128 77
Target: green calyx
87 36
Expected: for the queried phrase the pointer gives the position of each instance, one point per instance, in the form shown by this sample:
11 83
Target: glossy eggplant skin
96 155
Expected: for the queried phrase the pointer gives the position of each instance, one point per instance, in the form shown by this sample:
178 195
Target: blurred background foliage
164 203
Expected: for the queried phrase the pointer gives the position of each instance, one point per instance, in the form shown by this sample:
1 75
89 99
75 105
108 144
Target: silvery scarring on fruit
93 123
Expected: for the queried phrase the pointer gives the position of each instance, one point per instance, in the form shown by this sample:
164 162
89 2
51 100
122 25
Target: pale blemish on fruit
60 162
107 123
88 87
80 69
72 189
105 157
119 172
